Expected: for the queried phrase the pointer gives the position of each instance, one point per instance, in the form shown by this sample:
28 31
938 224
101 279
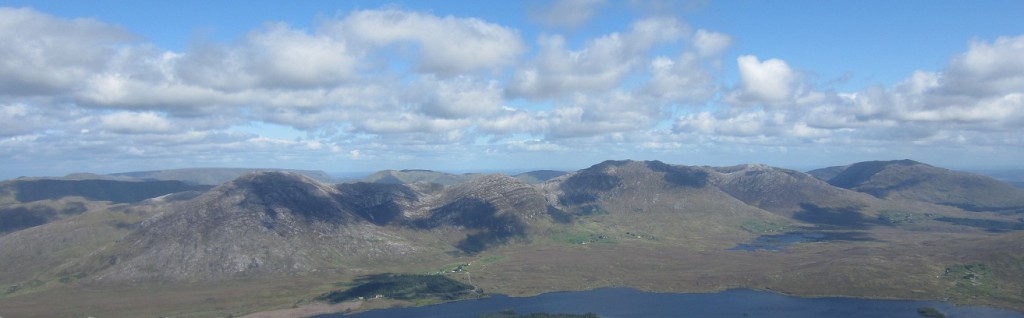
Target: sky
357 86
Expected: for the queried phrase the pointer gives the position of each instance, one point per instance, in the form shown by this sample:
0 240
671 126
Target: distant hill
1014 177
827 173
539 176
14 217
28 190
415 175
912 180
29 202
206 176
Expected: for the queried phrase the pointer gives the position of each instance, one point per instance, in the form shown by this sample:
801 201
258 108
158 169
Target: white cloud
602 114
283 56
978 98
118 91
445 45
535 145
770 81
710 43
980 88
409 123
20 119
994 68
42 54
135 123
600 65
738 124
459 97
680 80
381 84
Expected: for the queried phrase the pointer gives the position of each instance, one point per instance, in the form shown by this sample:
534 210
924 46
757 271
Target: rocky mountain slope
260 223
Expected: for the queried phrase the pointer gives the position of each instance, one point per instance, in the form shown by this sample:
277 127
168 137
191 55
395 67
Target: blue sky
110 86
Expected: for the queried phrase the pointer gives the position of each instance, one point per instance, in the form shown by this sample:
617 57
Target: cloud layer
390 85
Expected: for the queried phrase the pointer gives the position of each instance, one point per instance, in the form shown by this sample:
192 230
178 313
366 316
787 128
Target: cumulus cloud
458 97
769 81
602 114
681 80
118 91
285 57
20 119
977 98
711 43
391 83
445 45
737 124
600 65
43 54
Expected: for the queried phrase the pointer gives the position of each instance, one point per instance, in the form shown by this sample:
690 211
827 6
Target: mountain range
889 229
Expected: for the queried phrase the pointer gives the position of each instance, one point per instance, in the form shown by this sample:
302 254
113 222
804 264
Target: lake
779 242
626 302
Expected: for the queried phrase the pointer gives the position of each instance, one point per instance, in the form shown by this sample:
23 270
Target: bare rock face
268 222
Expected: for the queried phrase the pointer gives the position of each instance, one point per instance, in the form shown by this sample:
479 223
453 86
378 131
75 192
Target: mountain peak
912 180
861 172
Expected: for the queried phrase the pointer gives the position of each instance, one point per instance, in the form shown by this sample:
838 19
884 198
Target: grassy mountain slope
260 223
915 181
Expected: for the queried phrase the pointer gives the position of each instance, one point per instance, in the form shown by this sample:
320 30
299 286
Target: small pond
778 242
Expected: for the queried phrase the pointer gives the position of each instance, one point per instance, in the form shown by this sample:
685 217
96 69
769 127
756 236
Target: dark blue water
778 242
625 302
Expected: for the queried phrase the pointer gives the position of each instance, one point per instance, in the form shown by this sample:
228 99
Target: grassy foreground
968 267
